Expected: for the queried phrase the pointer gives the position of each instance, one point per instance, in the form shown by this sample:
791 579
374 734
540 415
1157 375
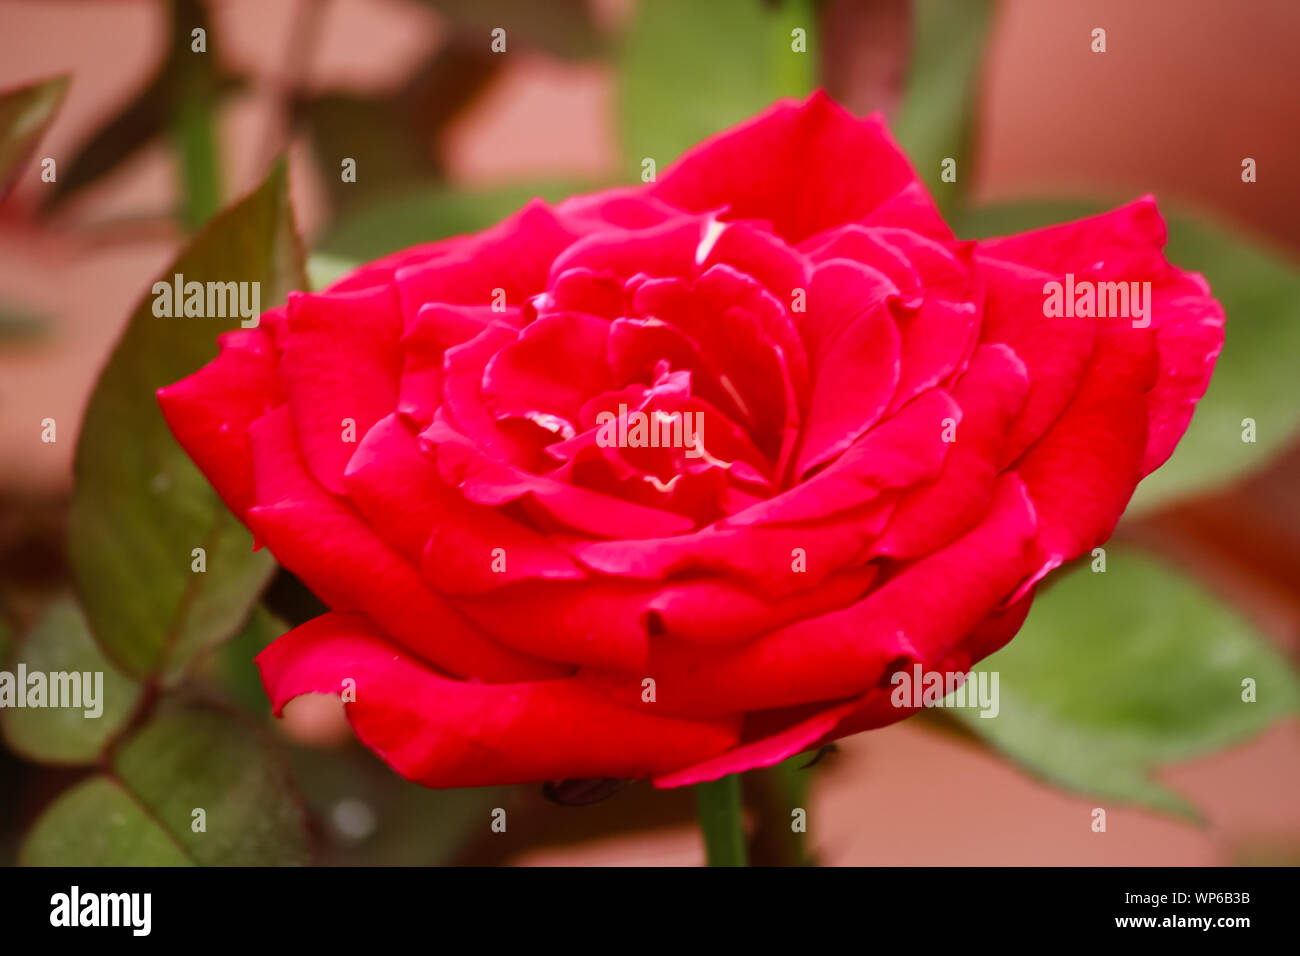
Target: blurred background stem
193 121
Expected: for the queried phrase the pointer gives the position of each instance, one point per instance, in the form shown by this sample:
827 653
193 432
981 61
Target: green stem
200 180
193 119
719 808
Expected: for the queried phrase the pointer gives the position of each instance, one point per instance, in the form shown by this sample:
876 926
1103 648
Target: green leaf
189 757
97 823
60 642
193 89
1255 376
936 117
423 215
140 506
688 70
197 757
1116 674
25 115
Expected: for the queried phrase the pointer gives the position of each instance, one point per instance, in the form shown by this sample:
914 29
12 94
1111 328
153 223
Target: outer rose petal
446 733
1124 245
928 517
210 411
513 256
804 167
763 752
1083 472
1055 351
341 364
324 542
873 709
921 613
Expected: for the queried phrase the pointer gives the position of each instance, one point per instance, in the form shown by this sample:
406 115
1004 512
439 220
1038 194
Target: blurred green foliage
1120 672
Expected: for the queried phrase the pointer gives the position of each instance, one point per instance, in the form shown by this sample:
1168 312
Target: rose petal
446 733
514 257
209 412
801 166
325 543
554 365
990 394
853 344
920 613
341 367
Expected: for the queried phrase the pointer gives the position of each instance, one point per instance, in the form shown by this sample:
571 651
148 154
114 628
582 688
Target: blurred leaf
423 215
688 70
195 756
97 823
1118 673
140 506
935 121
25 115
562 27
188 757
60 641
1255 376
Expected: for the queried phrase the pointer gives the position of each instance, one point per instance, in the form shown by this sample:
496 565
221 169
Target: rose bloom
893 445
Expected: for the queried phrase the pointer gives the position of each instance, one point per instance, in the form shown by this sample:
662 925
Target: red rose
873 441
